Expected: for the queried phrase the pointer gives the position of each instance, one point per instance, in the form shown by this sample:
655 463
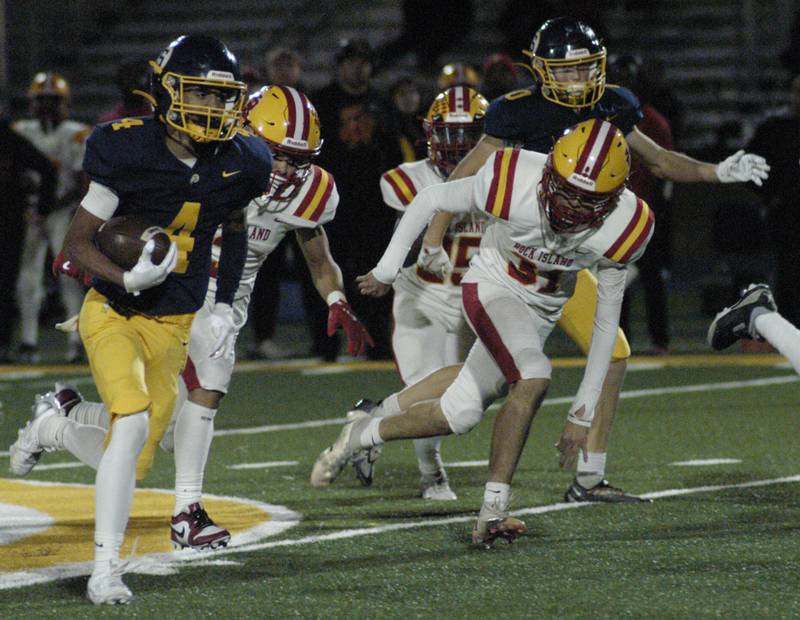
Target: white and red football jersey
314 205
64 146
399 186
519 249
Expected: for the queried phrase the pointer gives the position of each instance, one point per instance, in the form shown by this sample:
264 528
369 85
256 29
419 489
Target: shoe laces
200 517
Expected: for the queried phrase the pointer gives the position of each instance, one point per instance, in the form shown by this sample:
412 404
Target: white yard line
701 462
405 525
563 400
266 465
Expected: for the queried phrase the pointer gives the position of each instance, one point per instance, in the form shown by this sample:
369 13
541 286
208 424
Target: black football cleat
601 492
736 322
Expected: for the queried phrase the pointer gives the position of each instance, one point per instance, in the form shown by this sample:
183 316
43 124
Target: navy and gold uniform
131 157
137 344
525 118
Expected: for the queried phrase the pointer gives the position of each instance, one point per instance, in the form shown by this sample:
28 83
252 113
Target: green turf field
720 540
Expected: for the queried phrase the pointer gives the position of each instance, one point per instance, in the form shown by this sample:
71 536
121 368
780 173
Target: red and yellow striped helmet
48 84
584 176
454 125
288 122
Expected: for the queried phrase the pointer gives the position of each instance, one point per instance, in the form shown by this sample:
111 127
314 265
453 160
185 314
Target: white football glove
435 260
145 274
743 167
222 330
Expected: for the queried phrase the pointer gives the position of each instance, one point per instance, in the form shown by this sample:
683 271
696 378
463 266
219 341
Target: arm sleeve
610 290
233 253
453 197
100 201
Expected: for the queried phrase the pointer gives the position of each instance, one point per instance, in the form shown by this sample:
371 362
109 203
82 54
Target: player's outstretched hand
223 330
370 286
340 314
742 167
145 274
572 441
435 260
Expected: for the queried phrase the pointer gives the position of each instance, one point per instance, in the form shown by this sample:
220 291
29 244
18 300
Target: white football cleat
493 523
436 488
106 587
331 460
26 451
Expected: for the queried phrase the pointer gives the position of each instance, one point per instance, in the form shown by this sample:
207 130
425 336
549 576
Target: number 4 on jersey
181 229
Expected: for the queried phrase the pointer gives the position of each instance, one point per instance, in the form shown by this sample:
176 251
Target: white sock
115 484
389 406
84 442
497 491
194 430
592 471
428 457
94 414
782 335
371 435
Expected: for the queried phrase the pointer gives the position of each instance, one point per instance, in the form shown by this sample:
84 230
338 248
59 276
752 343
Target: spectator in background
17 155
360 144
499 75
627 70
429 30
778 140
406 100
133 81
457 74
61 140
284 67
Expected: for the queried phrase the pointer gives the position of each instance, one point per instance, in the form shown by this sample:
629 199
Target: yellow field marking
64 523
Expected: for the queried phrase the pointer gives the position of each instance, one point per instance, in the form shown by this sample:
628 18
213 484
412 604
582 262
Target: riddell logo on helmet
578 53
220 75
582 181
301 144
459 117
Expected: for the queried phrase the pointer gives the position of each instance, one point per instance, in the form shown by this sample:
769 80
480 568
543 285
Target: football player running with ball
302 198
569 64
190 170
551 217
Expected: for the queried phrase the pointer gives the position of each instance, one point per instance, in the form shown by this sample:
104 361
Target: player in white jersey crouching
302 198
552 215
61 139
430 331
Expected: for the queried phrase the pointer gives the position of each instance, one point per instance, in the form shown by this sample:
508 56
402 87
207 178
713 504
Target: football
122 239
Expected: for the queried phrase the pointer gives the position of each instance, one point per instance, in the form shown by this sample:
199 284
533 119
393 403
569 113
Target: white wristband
335 296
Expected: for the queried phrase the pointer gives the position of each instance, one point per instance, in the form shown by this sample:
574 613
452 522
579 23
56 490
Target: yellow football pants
578 316
135 363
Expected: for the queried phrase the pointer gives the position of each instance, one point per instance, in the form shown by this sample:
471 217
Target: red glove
341 315
63 266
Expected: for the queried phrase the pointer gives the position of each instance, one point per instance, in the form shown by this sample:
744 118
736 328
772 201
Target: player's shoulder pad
504 177
114 145
402 183
624 235
256 158
316 202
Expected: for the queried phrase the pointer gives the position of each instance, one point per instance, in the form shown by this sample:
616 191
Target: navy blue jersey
131 157
525 118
